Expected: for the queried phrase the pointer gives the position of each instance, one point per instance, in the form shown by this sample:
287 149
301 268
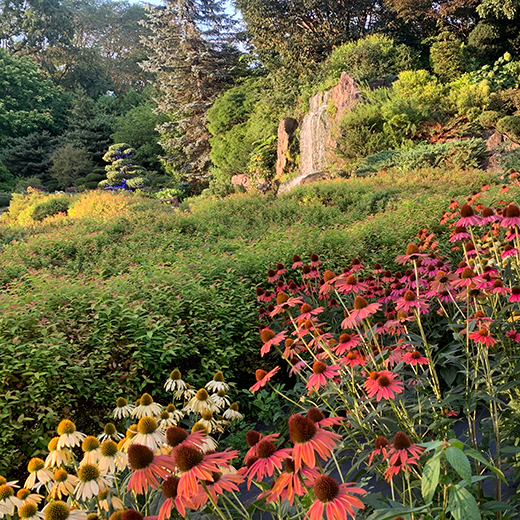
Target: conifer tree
189 49
121 170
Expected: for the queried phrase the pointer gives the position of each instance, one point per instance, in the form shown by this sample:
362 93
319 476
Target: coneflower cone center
409 296
252 437
146 400
88 472
467 272
487 212
3 480
265 449
89 443
328 276
109 448
221 393
216 475
207 416
483 332
23 493
360 303
121 402
315 415
202 395
131 514
374 375
266 335
27 510
305 308
381 442
139 456
351 280
60 475
175 375
466 211
164 415
35 464
383 381
219 376
169 487
281 298
175 435
170 408
402 441
351 356
188 458
57 510
250 461
416 354
66 427
234 407
512 211
260 374
116 515
345 338
6 492
93 516
326 488
301 429
319 367
110 428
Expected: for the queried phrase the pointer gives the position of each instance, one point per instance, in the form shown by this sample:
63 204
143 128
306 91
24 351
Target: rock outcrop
286 130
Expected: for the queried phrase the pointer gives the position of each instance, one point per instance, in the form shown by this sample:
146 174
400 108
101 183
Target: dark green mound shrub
49 207
510 126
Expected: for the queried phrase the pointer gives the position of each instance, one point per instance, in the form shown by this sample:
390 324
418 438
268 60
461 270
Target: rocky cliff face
319 127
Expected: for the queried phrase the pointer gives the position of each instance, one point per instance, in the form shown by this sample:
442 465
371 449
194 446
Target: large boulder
286 130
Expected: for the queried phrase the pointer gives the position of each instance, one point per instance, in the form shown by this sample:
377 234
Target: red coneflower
269 458
308 439
262 377
382 385
270 339
403 450
380 448
317 417
221 482
336 500
315 261
146 468
412 253
346 342
348 283
253 438
508 250
467 277
459 234
468 217
515 294
170 488
410 301
482 336
307 312
353 358
362 310
296 262
320 373
489 216
414 358
511 216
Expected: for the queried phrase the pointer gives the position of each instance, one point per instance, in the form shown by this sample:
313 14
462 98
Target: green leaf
390 513
430 478
460 463
478 456
462 504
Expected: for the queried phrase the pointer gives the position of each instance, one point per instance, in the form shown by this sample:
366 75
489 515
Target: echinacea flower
148 433
115 502
468 217
413 253
362 310
64 484
482 336
380 448
352 359
175 383
320 373
26 496
411 301
166 419
414 358
209 444
335 501
346 342
318 418
110 432
270 339
515 294
8 500
91 481
309 439
69 437
222 482
195 465
382 385
209 422
253 438
147 407
29 511
467 278
201 402
403 450
511 216
59 510
397 467
348 283
39 475
262 377
489 216
111 458
232 413
296 262
459 234
90 447
170 492
122 409
269 457
217 383
175 436
221 399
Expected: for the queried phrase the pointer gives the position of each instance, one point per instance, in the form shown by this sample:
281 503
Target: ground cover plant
411 376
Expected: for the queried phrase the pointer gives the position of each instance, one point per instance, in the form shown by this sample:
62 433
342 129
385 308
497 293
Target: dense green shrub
510 126
447 57
5 198
50 206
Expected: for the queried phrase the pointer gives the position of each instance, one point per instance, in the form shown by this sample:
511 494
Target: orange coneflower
291 482
170 492
262 377
482 336
320 373
269 457
382 385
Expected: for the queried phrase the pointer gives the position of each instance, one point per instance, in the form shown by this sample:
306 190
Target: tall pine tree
190 50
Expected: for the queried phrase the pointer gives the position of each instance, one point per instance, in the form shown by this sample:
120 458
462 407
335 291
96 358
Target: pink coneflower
403 450
195 465
413 253
352 359
482 336
269 459
511 216
262 377
346 343
489 216
346 284
318 418
170 488
309 439
508 250
296 262
459 234
377 269
394 469
146 468
328 280
382 385
272 275
283 302
411 301
307 312
468 217
498 288
315 261
467 278
514 335
280 269
414 358
290 483
441 282
380 448
356 265
253 438
176 436
320 373
270 339
336 500
362 310
515 294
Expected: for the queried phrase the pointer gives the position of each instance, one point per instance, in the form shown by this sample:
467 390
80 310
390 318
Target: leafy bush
50 206
447 56
510 126
5 198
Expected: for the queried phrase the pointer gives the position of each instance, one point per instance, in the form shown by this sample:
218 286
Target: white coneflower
147 407
56 457
39 475
26 496
29 511
122 409
116 503
69 437
90 482
175 414
166 419
112 459
186 394
64 484
232 413
90 447
220 399
201 402
217 383
149 434
110 432
208 443
12 483
58 510
175 383
208 422
8 500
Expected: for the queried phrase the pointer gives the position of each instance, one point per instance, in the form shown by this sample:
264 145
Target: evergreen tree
189 50
122 172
